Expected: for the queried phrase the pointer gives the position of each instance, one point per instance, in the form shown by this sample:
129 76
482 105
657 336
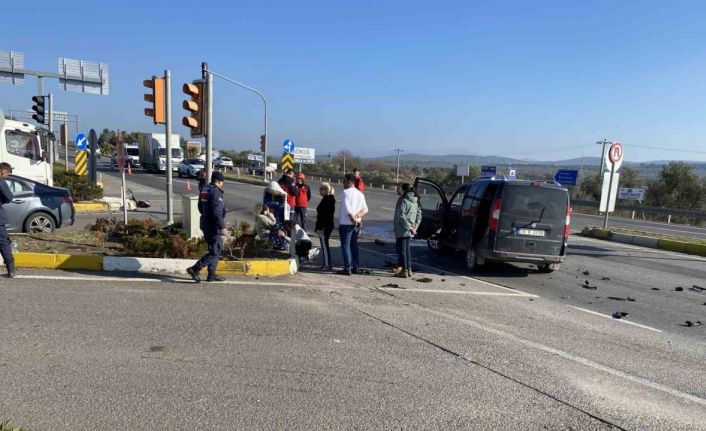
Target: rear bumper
505 256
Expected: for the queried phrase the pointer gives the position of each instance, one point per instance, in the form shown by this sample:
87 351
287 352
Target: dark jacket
6 197
324 213
212 207
289 186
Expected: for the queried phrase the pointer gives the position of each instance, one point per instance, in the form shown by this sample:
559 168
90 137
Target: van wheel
546 268
473 261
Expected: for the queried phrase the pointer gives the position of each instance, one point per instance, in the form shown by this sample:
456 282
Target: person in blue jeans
353 209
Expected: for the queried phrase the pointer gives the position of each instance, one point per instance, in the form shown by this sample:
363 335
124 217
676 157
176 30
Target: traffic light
156 99
39 109
196 107
263 143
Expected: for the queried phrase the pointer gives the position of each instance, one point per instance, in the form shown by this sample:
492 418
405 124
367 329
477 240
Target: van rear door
532 219
433 202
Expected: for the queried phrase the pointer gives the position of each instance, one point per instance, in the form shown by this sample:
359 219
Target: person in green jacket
408 215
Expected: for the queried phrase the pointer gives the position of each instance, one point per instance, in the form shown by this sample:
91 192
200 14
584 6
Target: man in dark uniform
5 198
202 178
213 213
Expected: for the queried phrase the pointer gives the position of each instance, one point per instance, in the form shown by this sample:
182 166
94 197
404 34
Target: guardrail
649 210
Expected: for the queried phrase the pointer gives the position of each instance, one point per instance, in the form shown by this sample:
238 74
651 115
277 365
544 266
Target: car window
471 202
17 187
533 203
455 203
22 144
429 197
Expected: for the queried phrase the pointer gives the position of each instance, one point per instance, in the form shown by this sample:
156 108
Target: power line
667 149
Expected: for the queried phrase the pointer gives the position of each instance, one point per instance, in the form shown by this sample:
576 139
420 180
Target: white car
190 168
223 162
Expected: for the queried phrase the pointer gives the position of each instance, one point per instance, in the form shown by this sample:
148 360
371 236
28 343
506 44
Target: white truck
153 151
24 147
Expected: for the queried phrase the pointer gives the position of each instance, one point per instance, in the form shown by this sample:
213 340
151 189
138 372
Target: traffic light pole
209 124
209 77
50 144
168 130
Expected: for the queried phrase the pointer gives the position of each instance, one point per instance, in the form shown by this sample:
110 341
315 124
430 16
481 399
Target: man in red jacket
302 200
358 184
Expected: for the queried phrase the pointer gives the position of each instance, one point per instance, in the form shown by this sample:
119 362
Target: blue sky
542 80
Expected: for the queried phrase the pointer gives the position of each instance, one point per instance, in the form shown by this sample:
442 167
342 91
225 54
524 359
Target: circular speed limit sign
614 157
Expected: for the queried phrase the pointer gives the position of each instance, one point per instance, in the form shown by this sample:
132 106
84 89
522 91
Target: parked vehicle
189 168
223 162
153 151
24 147
498 220
37 207
256 168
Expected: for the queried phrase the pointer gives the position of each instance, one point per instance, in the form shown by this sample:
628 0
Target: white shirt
353 203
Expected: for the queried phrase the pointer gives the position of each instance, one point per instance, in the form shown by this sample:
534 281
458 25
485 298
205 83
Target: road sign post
209 120
462 171
615 159
123 185
81 162
93 145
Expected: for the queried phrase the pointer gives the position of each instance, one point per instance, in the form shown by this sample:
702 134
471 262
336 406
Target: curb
257 267
89 207
646 241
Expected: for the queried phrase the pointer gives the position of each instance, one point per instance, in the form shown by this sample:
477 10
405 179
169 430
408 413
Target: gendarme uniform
212 207
5 248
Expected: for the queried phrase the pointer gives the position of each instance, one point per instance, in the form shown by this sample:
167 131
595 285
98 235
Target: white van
24 146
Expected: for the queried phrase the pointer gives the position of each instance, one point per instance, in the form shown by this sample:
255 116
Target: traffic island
648 240
91 206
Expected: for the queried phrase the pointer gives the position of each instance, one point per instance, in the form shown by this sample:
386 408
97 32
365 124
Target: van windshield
132 152
526 204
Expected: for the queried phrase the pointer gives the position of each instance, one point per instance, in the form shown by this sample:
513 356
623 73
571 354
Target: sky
537 80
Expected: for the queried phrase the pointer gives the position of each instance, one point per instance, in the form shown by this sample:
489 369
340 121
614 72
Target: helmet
300 176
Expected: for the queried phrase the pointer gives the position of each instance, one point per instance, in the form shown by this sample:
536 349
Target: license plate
530 232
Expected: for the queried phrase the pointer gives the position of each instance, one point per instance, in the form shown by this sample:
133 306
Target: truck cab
24 147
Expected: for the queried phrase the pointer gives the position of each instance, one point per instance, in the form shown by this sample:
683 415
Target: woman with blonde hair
324 222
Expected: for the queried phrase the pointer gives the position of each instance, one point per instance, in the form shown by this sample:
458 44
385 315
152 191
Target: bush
80 187
145 238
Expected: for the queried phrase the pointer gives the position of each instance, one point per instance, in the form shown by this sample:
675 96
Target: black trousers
210 259
300 216
5 247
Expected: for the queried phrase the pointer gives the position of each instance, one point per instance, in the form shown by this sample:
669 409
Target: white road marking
637 248
389 209
571 357
646 222
649 328
497 286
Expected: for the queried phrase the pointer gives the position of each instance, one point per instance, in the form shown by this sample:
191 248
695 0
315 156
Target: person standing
359 183
212 207
407 217
289 185
353 209
6 197
302 200
324 222
201 175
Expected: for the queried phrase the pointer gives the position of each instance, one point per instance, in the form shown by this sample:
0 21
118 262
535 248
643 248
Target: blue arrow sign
488 171
288 146
81 142
566 177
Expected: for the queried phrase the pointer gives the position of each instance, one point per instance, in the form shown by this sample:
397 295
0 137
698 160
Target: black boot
194 274
214 277
11 272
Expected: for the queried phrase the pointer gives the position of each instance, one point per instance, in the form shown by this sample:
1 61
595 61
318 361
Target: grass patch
6 426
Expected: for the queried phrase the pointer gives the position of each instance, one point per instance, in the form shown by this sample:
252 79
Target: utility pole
604 142
168 130
397 172
50 149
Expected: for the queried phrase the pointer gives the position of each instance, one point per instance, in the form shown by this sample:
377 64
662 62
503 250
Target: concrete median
679 246
254 267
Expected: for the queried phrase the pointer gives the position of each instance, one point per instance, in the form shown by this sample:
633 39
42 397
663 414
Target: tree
679 187
630 177
590 187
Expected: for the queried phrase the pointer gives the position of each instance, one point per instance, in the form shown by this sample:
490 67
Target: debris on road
689 323
393 286
678 289
424 280
443 279
620 314
605 278
587 285
696 288
619 298
655 288
586 273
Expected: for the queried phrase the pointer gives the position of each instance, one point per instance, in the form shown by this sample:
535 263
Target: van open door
434 204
